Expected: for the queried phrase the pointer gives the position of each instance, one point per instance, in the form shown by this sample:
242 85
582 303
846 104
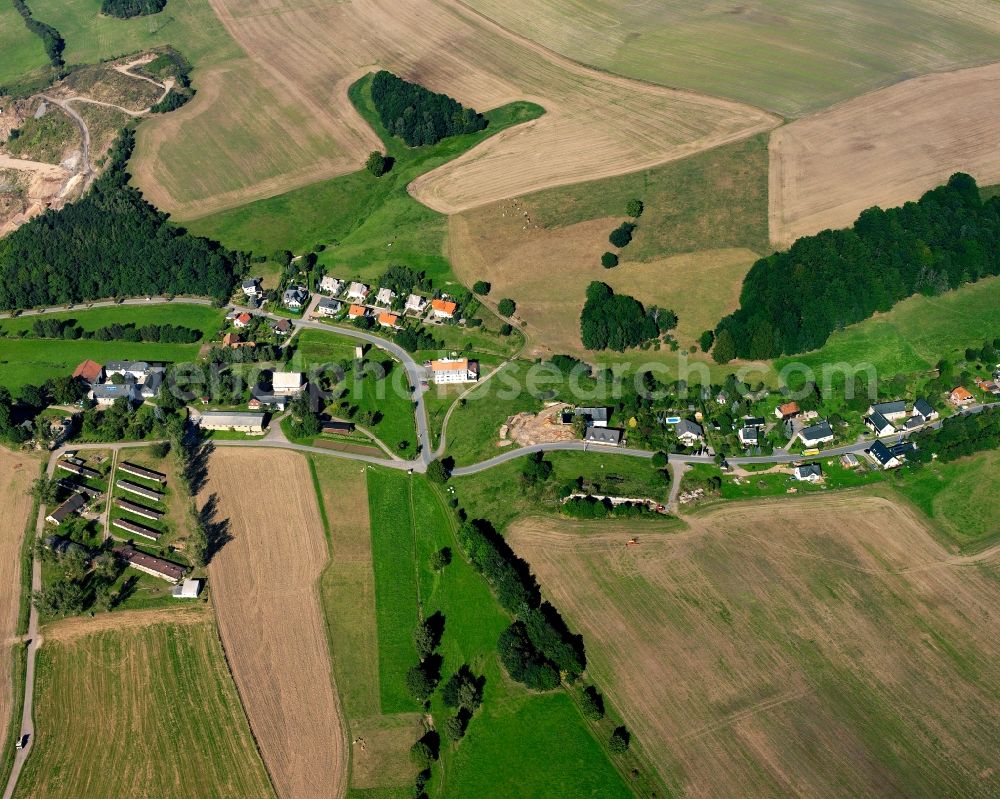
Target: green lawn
962 498
713 200
391 397
367 223
159 698
23 52
200 317
915 334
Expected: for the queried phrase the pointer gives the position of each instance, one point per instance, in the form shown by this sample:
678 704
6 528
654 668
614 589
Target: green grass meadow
519 743
367 223
22 51
35 360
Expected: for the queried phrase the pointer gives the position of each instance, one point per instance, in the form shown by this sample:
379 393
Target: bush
506 329
454 728
173 100
634 208
706 339
377 163
506 307
482 288
620 740
437 472
421 682
609 260
421 754
659 459
441 559
622 234
592 703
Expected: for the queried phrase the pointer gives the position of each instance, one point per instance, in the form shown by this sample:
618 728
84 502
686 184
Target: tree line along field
519 742
35 360
848 655
789 57
162 713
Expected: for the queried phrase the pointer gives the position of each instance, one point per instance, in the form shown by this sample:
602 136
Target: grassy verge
19 664
366 222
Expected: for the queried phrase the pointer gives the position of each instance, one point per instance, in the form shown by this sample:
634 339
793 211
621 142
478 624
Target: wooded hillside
792 301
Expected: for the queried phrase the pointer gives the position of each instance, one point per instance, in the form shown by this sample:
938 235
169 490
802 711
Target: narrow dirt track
265 589
16 473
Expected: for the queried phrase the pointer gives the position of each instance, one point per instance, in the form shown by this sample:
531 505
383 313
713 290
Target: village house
961 397
357 291
592 417
808 472
387 319
89 372
136 370
385 296
890 457
288 383
689 433
443 309
819 433
242 320
262 400
454 370
231 420
357 311
788 410
251 287
327 307
890 410
849 460
282 327
331 285
416 304
150 564
923 408
74 504
988 386
606 436
77 468
749 436
107 394
878 424
294 297
335 428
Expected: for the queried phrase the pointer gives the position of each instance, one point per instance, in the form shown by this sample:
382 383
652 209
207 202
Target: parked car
22 742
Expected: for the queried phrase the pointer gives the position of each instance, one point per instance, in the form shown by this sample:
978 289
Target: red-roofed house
356 311
961 396
388 319
443 308
242 320
89 371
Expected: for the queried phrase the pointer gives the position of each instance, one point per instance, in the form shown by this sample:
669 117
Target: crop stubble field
883 148
595 124
847 655
265 584
16 473
161 718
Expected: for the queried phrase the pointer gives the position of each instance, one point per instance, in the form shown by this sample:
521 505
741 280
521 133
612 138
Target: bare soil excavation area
595 124
265 588
883 149
823 647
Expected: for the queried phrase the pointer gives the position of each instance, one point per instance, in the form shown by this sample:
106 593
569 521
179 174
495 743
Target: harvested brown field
595 124
883 149
16 473
822 647
74 627
496 243
527 429
266 594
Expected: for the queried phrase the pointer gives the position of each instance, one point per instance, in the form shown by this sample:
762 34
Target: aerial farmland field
159 698
845 621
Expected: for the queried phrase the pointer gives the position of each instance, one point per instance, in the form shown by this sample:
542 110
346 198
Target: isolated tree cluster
125 9
417 115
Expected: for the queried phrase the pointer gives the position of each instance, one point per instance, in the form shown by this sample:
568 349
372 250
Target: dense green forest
419 116
52 41
110 243
615 321
792 301
124 9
